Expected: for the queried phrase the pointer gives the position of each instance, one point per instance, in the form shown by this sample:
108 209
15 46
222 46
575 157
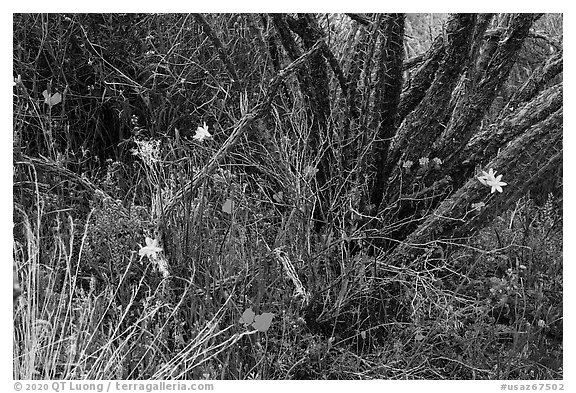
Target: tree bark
486 143
477 97
422 79
423 126
530 158
387 97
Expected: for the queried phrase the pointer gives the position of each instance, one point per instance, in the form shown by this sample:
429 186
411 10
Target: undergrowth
93 308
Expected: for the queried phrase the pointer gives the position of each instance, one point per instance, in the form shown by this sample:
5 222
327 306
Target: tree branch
335 66
539 78
486 143
477 96
388 88
423 125
422 79
222 52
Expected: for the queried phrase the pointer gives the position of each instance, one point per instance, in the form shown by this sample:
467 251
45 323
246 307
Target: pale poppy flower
151 249
487 176
202 133
494 182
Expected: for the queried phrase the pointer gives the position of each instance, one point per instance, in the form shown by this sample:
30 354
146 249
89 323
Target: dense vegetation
179 178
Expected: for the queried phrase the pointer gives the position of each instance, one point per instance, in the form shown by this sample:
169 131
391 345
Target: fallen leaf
55 99
228 206
247 317
262 322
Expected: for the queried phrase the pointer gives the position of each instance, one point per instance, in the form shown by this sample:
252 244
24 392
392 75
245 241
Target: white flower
424 161
202 133
407 164
487 176
489 179
437 161
150 250
496 184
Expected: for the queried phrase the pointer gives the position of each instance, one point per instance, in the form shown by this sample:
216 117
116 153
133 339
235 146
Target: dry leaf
228 206
262 322
247 317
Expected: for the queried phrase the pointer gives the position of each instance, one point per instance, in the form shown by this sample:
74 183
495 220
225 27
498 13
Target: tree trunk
527 160
388 88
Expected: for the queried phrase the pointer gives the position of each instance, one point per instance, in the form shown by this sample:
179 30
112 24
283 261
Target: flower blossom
491 180
151 249
202 133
